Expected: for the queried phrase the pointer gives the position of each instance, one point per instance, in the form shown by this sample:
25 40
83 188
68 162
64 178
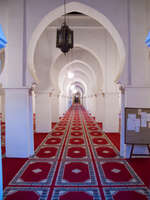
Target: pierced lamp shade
64 39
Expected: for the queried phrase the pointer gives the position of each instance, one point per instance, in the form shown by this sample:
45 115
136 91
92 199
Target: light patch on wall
70 75
72 88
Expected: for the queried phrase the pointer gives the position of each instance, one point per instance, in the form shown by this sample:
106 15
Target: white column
62 105
112 109
66 103
14 71
100 108
84 102
88 103
33 101
93 105
19 123
70 101
43 112
55 106
122 132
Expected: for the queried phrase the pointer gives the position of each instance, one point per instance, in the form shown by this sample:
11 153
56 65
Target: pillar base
19 123
43 112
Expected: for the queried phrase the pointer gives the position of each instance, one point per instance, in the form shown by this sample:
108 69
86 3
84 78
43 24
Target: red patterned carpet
77 161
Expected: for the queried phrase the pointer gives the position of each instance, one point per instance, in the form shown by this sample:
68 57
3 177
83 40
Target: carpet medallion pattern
35 172
76 161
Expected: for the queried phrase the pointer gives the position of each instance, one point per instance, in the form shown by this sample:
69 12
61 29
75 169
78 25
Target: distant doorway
76 98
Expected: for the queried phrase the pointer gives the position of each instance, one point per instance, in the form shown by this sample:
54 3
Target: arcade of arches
107 70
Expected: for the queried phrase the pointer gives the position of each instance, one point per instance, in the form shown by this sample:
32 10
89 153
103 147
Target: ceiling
76 20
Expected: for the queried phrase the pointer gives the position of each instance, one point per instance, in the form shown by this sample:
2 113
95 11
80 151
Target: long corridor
76 161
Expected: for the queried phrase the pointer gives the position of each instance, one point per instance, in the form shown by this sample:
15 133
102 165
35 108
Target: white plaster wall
111 65
43 112
19 123
55 107
139 52
148 28
96 38
107 109
62 105
14 51
43 61
148 15
112 109
87 103
141 94
33 101
92 105
84 102
66 103
100 108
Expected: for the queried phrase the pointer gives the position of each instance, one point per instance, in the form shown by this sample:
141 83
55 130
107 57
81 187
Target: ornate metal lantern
64 39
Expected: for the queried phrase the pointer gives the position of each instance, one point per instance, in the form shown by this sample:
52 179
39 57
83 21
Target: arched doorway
74 6
71 7
76 98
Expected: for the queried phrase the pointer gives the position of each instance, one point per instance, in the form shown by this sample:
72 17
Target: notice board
137 126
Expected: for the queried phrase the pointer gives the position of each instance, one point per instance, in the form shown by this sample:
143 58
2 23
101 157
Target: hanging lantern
64 38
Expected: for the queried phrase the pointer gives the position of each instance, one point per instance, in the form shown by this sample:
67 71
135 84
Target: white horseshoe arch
82 8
